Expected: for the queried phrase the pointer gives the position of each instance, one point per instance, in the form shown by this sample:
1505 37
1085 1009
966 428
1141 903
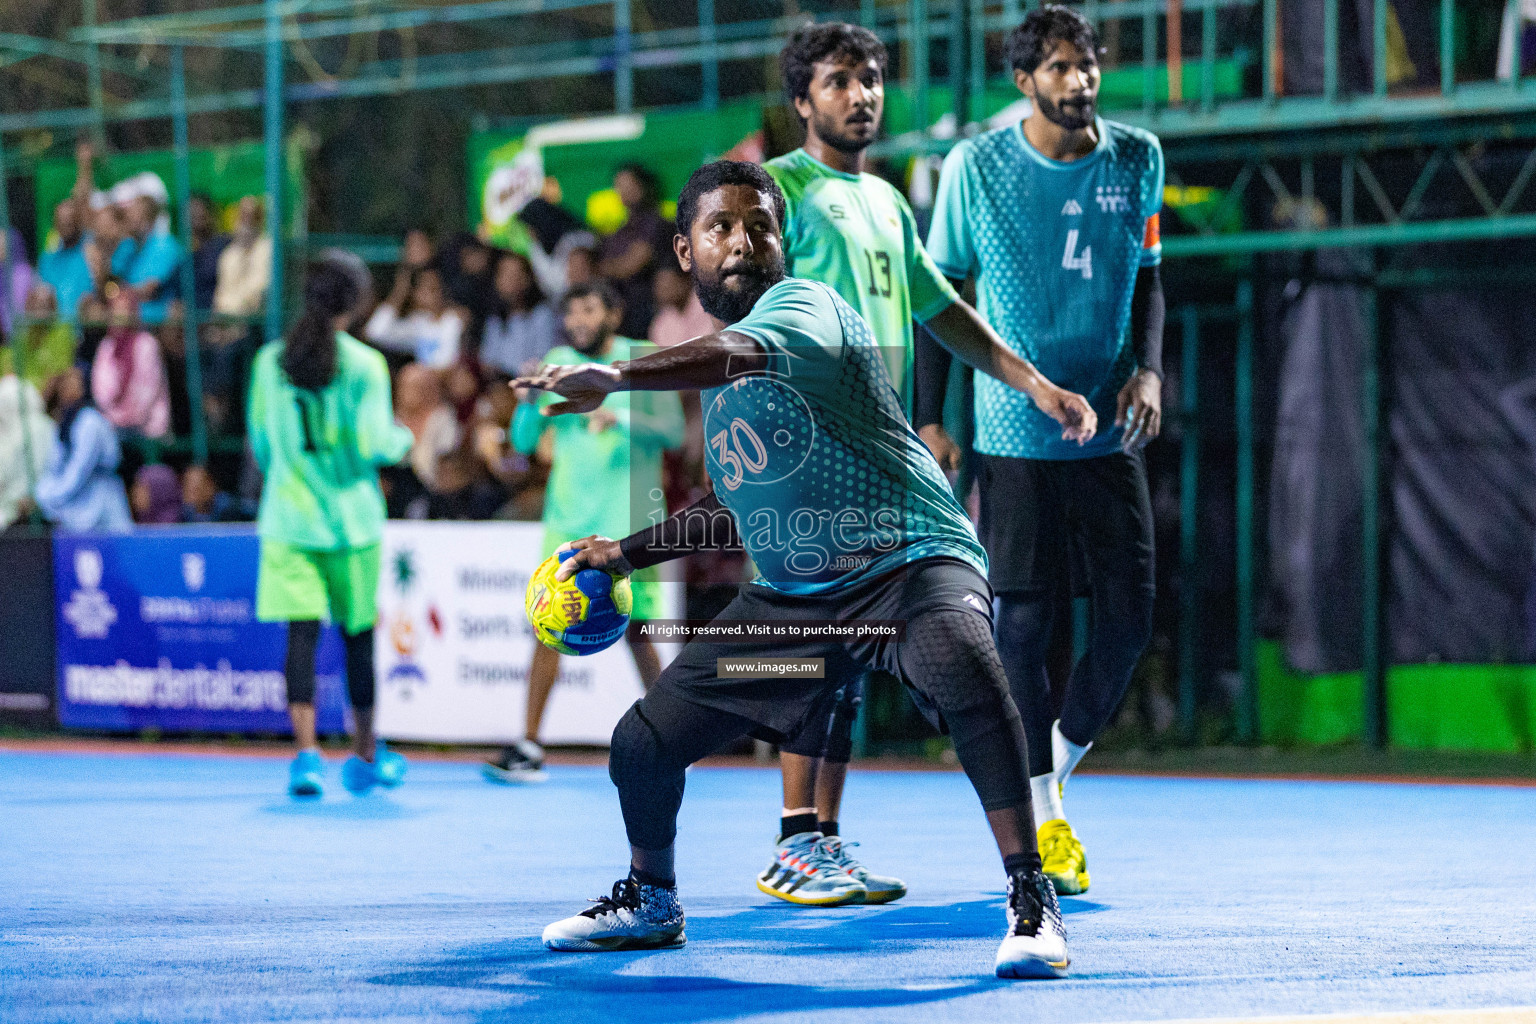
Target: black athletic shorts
1042 518
780 707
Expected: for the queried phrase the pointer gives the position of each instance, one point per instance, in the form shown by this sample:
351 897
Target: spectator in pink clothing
679 317
128 375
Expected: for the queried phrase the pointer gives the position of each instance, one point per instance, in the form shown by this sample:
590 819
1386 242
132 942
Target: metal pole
93 77
1148 62
1248 718
188 275
1372 659
272 138
1330 50
1175 52
978 55
1447 48
1379 48
1189 509
1208 59
711 66
917 21
624 59
1271 33
18 328
960 60
867 13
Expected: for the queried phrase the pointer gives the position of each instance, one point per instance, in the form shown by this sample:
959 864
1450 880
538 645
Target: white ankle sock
1064 754
1046 798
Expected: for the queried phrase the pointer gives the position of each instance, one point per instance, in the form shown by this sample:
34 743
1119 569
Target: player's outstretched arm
708 362
706 525
961 329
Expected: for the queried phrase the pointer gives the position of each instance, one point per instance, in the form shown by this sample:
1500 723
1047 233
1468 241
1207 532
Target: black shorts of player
1043 519
780 708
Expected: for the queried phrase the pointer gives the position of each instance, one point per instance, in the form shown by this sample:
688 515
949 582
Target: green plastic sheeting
1429 707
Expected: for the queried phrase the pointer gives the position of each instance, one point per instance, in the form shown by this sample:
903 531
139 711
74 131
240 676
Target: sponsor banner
454 644
157 629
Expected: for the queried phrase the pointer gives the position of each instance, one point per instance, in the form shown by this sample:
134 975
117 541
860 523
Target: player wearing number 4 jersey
1056 219
321 425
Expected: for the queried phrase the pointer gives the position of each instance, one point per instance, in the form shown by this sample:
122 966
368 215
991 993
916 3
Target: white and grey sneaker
803 872
877 888
519 764
636 916
1036 943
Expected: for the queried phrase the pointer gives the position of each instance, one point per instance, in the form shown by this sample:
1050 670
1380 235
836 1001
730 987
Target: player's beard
831 132
1074 117
598 340
730 305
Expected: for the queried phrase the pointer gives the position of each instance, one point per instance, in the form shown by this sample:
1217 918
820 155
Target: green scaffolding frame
1270 135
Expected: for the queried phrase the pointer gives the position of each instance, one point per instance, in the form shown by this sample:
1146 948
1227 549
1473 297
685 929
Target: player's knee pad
361 687
650 786
299 663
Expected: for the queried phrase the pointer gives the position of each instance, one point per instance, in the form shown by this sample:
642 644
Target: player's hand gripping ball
582 615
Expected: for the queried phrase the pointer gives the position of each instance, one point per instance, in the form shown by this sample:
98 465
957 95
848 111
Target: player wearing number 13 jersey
321 425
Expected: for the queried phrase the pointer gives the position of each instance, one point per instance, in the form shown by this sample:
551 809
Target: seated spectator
203 502
519 333
13 290
463 491
417 250
245 264
207 248
156 496
556 231
417 318
128 375
519 476
47 344
461 387
25 429
152 261
81 489
465 263
679 317
109 239
631 254
580 267
420 406
64 266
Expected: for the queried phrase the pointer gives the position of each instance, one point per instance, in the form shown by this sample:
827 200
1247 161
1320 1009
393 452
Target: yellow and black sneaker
1062 858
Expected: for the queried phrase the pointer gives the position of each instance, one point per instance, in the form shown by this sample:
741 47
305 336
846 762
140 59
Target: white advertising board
453 644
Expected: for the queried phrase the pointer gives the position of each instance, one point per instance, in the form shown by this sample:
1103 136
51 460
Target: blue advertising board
157 629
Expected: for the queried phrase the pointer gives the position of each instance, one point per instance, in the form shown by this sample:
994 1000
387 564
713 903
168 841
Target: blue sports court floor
188 888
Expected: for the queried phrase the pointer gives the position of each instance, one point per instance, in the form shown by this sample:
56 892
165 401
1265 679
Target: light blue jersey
815 458
1054 248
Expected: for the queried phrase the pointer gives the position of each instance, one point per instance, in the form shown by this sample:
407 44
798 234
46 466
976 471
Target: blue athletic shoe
306 774
388 766
358 775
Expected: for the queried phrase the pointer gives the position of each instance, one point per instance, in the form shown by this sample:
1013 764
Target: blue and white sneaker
803 872
306 774
389 766
358 775
1036 943
877 888
635 916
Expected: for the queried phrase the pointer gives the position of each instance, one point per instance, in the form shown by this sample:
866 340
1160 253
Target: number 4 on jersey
1073 260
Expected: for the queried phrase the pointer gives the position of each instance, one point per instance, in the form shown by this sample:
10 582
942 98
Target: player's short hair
1032 42
718 175
602 289
813 44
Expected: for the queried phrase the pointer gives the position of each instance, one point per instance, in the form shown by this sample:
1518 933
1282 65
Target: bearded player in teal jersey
846 516
1056 219
853 231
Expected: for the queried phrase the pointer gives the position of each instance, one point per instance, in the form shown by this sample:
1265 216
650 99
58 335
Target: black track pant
299 667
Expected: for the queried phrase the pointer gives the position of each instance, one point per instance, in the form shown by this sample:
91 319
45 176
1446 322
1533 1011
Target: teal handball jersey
1054 248
827 480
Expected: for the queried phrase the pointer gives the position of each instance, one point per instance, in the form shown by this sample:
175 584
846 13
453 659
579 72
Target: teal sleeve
1152 255
949 236
380 440
795 320
527 427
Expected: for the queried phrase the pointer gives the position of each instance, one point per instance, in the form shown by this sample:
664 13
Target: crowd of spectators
101 392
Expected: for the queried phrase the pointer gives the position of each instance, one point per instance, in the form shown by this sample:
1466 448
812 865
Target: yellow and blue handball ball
582 615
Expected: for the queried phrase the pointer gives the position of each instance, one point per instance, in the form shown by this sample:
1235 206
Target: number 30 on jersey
1074 260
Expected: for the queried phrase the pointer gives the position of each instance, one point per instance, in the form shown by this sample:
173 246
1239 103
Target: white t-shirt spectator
245 271
432 341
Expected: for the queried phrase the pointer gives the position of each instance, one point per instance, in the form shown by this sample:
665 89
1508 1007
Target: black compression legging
1120 626
829 735
299 667
947 657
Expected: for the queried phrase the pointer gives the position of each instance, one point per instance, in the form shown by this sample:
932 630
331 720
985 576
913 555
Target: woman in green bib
321 425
